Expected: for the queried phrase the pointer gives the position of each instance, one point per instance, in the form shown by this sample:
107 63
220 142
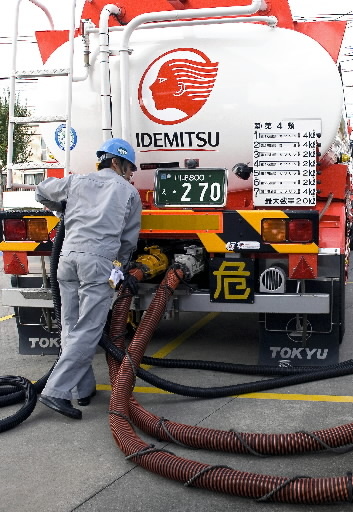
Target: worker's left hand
130 282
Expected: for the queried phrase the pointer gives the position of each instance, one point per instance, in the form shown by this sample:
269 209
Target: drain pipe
215 12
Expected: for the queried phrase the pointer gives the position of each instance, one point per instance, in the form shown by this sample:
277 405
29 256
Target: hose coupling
193 262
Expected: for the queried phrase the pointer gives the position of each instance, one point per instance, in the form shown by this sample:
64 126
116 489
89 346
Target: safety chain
148 449
161 424
167 287
277 489
181 279
339 450
117 337
134 371
204 470
126 418
245 444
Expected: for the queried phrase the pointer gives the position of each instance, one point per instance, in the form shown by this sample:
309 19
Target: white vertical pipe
12 97
104 69
69 90
255 6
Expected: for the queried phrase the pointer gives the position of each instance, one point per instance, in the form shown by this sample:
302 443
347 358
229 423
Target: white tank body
195 93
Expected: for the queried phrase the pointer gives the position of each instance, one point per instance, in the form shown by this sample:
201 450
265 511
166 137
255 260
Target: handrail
12 88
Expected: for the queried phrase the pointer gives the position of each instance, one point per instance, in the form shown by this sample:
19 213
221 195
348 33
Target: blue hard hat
116 147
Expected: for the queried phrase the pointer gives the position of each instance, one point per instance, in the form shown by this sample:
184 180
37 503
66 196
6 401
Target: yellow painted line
169 347
256 396
303 398
103 387
6 317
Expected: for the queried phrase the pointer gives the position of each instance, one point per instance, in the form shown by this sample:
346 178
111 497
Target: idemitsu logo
176 85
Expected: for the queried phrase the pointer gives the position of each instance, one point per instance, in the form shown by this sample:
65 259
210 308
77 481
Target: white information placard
284 162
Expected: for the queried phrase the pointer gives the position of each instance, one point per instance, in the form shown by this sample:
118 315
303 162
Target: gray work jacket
103 212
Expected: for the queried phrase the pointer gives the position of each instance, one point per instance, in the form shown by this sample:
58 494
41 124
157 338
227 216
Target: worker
102 224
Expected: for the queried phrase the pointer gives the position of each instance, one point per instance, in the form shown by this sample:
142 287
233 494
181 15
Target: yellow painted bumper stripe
212 242
296 248
18 246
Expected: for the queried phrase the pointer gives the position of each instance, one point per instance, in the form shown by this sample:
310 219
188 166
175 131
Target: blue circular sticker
60 137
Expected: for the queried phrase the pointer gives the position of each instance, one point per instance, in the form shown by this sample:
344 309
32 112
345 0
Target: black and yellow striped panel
245 226
217 230
29 246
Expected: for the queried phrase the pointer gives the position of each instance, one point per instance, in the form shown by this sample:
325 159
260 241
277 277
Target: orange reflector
302 266
15 263
274 230
37 229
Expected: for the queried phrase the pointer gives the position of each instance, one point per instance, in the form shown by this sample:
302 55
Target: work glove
131 283
115 277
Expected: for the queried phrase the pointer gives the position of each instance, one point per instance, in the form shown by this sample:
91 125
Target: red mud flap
284 341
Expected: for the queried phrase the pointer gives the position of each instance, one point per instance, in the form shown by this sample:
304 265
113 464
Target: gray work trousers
86 298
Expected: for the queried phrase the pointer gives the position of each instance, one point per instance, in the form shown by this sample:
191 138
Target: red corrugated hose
125 412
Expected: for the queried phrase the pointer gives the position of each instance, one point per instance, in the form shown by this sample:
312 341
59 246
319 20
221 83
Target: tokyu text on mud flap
231 280
298 340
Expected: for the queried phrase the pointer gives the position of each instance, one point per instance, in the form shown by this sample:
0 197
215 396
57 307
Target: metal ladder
33 120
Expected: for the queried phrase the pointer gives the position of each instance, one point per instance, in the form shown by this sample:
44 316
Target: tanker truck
237 116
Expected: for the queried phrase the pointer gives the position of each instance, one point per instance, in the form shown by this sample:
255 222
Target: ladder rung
36 165
36 120
41 72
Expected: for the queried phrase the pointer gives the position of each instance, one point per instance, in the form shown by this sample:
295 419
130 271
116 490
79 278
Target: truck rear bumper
315 303
318 303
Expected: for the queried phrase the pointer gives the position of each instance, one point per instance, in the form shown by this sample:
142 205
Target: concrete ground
50 463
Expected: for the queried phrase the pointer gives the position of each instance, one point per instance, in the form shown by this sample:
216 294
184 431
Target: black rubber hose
242 369
11 395
238 389
30 396
54 262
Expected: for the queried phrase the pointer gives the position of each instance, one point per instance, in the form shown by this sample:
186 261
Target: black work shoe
61 405
87 399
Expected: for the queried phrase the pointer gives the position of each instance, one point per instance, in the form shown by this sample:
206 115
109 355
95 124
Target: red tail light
15 230
300 230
